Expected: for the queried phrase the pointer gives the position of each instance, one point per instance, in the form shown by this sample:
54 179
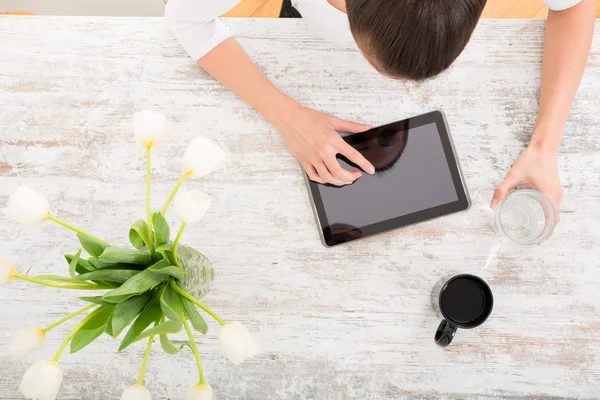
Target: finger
556 202
343 175
502 190
354 155
341 125
312 173
326 175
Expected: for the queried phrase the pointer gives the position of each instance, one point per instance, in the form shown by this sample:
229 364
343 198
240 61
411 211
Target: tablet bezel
463 202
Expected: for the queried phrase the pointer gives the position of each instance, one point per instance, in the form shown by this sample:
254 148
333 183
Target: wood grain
271 9
16 13
248 8
353 322
494 9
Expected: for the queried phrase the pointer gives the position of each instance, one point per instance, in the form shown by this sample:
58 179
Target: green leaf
162 232
166 246
165 328
127 256
73 264
169 347
138 234
93 328
191 312
112 275
96 300
170 303
108 327
170 270
94 247
138 284
102 264
126 312
82 265
167 253
151 313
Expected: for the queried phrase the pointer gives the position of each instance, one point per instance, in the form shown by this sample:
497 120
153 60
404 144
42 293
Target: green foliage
82 265
127 311
138 234
165 328
166 252
191 313
138 284
169 347
96 300
103 264
93 328
151 313
108 327
112 275
162 232
166 269
142 301
73 264
170 303
128 256
94 247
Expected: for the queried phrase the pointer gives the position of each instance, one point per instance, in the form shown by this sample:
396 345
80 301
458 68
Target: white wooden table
352 322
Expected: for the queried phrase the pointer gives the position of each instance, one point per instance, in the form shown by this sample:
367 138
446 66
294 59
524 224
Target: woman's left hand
537 168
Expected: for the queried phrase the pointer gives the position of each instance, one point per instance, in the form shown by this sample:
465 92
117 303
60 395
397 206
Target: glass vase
199 275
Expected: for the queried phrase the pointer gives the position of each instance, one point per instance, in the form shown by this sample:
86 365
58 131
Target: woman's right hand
311 136
314 140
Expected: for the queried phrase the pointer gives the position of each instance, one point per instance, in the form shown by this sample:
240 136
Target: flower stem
148 212
60 285
145 362
176 243
194 350
70 336
68 317
196 302
74 229
175 189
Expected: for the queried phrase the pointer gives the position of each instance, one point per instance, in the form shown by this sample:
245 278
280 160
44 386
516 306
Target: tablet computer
417 178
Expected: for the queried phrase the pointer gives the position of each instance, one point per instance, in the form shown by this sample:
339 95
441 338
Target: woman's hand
537 168
310 135
314 140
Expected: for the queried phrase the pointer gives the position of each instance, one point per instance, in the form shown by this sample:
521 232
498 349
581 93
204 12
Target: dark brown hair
413 39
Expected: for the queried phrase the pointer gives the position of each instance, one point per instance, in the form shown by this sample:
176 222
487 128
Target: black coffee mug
465 301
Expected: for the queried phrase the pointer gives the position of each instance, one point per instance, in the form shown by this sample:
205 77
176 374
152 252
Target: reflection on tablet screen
411 174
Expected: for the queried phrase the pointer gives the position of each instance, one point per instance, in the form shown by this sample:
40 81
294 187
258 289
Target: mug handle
445 333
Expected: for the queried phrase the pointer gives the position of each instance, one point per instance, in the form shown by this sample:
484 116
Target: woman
402 39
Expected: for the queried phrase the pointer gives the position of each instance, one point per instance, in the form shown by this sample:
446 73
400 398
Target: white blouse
196 26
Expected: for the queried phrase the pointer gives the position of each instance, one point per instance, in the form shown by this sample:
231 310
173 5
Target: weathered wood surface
353 322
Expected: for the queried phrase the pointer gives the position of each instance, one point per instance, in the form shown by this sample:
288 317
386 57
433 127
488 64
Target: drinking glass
525 216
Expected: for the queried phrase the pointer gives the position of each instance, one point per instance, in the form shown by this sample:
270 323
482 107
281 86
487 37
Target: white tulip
8 271
201 157
237 342
200 391
190 207
42 381
149 128
27 207
26 341
136 392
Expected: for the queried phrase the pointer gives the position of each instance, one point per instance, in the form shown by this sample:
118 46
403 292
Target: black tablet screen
413 178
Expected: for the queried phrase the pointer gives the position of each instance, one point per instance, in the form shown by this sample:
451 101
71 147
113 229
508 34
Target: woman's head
413 39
